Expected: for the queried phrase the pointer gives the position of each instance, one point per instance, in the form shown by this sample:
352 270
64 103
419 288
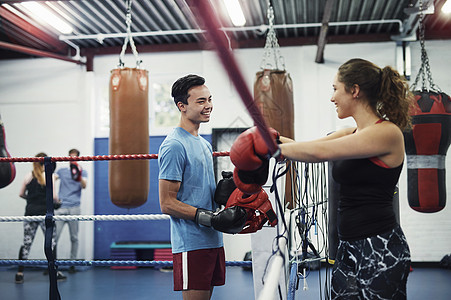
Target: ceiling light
235 12
446 8
45 15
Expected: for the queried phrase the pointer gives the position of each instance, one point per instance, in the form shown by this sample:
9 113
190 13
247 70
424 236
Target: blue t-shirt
189 159
70 190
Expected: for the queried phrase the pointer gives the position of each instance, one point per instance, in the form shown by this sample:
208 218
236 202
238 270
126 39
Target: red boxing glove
249 150
253 203
251 182
260 145
75 171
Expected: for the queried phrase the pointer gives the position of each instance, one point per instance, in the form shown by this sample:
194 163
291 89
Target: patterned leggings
373 268
29 232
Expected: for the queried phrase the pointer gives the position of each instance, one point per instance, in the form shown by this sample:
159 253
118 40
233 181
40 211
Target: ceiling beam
53 43
242 44
324 29
35 52
412 22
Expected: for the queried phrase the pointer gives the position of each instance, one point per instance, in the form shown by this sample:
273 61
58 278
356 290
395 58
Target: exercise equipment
426 147
225 188
273 93
7 169
129 129
258 209
428 141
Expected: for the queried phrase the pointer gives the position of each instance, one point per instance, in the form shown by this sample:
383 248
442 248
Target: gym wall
51 106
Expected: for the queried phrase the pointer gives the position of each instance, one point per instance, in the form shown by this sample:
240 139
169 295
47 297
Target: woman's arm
55 195
383 139
333 135
23 188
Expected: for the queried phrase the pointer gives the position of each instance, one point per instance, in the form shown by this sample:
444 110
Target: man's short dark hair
74 151
181 87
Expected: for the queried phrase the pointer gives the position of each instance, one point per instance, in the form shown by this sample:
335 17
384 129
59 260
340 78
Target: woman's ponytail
395 98
38 169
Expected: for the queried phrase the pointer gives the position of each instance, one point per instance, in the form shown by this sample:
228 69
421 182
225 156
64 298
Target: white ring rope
150 217
277 266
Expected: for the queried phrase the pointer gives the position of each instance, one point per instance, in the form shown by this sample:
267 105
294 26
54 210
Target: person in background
373 258
33 190
72 180
186 189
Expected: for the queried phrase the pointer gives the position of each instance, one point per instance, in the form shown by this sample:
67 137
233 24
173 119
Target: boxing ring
282 267
278 263
50 220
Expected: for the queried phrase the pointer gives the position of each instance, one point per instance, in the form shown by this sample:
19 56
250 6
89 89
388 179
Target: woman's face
342 99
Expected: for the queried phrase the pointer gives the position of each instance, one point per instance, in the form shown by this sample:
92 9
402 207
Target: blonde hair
38 169
387 91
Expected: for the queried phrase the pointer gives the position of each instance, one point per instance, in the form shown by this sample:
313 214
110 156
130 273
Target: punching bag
273 94
7 169
129 134
426 146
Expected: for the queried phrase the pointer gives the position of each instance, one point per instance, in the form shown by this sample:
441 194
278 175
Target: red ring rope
94 158
207 16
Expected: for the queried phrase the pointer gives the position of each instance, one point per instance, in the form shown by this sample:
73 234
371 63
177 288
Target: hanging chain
272 48
425 69
129 38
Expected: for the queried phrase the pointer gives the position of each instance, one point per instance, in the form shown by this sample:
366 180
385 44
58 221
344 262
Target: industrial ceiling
99 26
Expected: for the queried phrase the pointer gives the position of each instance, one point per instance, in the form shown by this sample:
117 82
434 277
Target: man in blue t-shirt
72 180
186 189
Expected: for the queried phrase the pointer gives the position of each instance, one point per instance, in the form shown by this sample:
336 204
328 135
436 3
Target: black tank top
36 205
366 198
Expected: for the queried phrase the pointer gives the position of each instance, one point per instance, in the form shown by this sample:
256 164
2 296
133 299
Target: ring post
49 227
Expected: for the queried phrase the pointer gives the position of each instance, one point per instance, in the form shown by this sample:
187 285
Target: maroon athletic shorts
199 269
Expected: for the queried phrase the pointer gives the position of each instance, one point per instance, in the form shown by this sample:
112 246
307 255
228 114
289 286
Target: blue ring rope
140 263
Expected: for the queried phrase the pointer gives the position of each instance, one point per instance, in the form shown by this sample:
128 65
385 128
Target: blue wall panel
107 232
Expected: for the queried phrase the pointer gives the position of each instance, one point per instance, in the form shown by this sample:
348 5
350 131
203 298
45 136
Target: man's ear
180 105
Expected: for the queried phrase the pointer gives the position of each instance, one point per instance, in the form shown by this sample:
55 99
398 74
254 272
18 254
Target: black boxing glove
251 182
75 171
229 220
225 188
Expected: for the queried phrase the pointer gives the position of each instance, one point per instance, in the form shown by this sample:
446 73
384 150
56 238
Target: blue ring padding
141 263
293 281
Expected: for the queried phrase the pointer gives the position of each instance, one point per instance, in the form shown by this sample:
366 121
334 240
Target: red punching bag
7 169
426 147
429 140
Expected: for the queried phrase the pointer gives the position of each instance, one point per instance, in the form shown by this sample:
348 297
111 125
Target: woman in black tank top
33 190
373 258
